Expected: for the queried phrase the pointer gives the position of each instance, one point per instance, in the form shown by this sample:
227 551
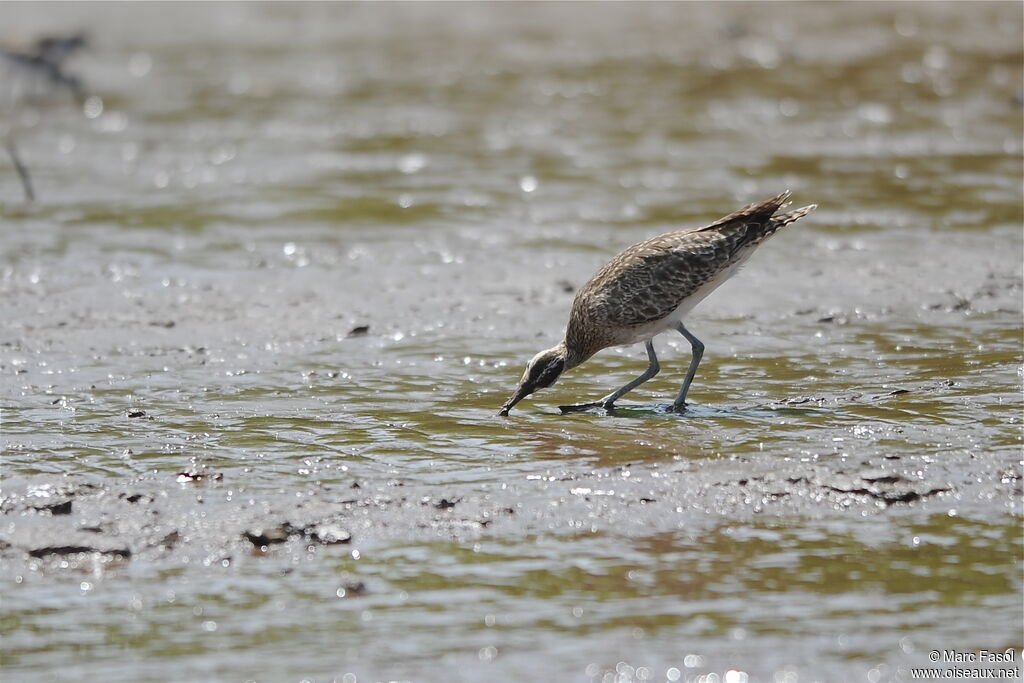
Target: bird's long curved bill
520 394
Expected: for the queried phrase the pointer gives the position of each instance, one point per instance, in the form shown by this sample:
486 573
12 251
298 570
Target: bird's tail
757 222
759 232
791 216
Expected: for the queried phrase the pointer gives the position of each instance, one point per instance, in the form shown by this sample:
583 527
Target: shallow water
261 181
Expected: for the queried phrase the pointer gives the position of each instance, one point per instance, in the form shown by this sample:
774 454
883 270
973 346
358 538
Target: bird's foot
678 407
583 407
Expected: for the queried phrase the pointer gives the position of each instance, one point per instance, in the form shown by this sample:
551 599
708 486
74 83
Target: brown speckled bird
648 289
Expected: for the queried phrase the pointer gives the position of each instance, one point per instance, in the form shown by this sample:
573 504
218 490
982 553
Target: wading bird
28 76
648 289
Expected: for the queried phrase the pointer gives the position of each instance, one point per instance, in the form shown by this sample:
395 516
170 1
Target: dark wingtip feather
756 212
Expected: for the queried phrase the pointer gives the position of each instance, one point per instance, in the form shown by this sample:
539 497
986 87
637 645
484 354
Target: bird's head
541 372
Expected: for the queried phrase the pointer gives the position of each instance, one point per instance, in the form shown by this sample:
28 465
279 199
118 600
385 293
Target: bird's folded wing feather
651 279
648 281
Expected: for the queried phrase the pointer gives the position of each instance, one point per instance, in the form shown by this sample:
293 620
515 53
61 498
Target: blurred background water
312 245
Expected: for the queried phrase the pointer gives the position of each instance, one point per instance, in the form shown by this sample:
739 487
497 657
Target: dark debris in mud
63 508
120 521
261 538
323 533
886 488
351 589
78 549
194 477
861 396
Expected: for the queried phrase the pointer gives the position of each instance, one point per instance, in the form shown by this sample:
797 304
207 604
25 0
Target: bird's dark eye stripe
550 373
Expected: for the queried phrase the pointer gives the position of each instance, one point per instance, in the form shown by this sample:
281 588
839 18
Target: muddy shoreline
282 273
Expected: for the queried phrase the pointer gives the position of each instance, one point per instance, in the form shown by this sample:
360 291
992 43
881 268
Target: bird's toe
580 407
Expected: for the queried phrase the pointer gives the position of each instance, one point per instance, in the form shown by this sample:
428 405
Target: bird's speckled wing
649 280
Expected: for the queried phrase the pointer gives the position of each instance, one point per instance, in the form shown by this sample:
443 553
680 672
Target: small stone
329 534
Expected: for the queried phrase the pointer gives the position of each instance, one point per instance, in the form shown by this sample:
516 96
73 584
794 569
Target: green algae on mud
842 497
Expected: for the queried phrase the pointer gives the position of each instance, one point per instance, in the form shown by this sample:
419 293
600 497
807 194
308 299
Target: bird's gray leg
608 401
650 372
26 180
698 351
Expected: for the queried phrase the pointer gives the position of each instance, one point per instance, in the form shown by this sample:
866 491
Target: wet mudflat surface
281 275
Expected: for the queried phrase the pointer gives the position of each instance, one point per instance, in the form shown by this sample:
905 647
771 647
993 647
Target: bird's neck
575 353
